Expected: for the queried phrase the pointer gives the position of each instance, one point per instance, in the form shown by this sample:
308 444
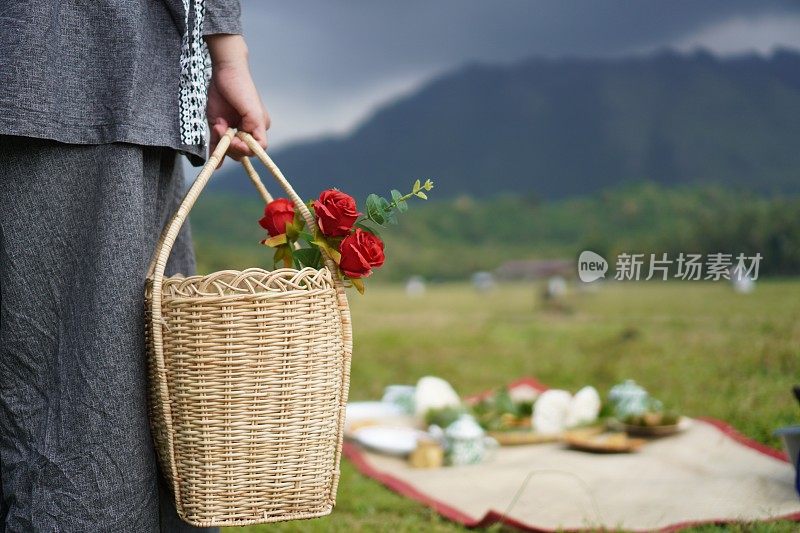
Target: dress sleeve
222 16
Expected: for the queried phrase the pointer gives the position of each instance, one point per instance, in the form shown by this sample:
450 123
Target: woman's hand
233 101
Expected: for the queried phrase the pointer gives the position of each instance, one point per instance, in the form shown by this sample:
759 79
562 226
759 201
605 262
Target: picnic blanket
707 474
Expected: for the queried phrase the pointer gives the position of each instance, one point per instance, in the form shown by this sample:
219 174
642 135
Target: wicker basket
248 374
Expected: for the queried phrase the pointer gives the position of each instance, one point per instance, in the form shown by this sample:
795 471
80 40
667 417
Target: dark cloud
321 64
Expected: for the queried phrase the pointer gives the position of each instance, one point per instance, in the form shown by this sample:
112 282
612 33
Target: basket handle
171 230
259 185
261 154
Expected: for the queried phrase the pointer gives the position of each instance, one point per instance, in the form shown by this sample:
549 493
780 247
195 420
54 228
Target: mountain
554 128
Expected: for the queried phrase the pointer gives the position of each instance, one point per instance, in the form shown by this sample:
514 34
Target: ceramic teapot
467 443
628 398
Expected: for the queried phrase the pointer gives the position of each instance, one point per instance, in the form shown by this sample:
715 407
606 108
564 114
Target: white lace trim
195 75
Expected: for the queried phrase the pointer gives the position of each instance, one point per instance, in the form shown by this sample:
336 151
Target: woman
97 101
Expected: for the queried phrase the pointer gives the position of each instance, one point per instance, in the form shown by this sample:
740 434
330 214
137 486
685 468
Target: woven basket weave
248 375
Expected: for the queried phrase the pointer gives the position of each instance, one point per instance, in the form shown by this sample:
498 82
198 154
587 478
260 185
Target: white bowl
399 441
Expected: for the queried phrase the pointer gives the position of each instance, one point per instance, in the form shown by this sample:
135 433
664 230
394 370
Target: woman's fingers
255 123
238 149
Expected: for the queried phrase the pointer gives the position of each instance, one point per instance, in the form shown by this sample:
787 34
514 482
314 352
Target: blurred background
550 127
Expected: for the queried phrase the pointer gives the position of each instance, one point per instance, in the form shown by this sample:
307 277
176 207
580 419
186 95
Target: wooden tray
602 442
651 431
521 437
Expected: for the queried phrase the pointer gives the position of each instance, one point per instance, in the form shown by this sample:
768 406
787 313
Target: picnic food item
557 410
526 417
428 454
248 378
501 412
590 440
434 393
522 437
584 407
640 414
652 419
652 424
550 412
444 416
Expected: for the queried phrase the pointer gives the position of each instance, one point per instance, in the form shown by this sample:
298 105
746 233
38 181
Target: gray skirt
78 225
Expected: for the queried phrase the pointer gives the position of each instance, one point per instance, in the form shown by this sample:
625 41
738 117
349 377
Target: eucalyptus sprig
381 211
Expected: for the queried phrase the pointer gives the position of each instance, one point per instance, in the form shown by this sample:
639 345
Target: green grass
700 347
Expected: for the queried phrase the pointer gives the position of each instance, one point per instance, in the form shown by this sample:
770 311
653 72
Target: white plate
388 439
360 411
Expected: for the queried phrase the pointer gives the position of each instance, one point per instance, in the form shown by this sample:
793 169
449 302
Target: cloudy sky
323 65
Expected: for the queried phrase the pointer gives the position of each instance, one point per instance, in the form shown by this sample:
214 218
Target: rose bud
336 212
277 214
361 252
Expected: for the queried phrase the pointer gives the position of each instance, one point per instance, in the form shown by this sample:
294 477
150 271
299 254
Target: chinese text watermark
686 266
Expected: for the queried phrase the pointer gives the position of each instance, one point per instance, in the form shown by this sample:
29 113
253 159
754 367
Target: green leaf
375 206
372 202
306 236
288 256
422 195
417 186
401 204
308 257
391 217
275 241
366 227
358 283
280 253
333 253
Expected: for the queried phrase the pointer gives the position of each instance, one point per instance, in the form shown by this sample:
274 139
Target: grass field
700 347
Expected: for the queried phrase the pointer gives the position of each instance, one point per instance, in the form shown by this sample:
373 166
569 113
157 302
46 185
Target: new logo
591 266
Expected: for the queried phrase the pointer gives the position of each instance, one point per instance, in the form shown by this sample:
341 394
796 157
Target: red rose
336 212
277 214
361 252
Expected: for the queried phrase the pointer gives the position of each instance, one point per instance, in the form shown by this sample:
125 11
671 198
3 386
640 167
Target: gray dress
91 125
